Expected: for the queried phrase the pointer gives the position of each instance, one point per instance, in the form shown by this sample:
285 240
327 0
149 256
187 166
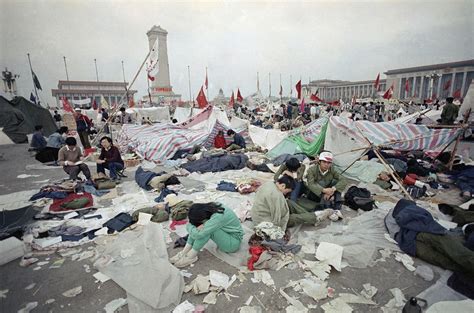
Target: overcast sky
348 40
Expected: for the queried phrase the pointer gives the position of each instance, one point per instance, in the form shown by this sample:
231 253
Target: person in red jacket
219 141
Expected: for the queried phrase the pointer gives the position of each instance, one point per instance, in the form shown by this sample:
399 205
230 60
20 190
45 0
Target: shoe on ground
337 215
186 261
178 256
323 214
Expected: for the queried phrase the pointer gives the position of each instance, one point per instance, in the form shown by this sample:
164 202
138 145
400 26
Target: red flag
206 82
239 96
388 94
66 106
377 82
315 97
302 106
457 94
94 105
232 100
379 88
281 91
201 99
407 86
317 92
298 88
447 85
151 77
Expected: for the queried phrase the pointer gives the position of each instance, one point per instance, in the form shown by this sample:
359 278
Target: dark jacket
111 156
143 177
239 140
412 220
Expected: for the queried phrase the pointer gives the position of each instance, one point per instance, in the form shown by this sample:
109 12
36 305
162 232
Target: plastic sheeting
182 114
155 114
440 291
360 238
266 138
365 171
146 275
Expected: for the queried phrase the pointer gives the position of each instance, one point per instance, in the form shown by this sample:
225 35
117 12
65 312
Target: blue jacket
143 177
412 220
38 141
239 140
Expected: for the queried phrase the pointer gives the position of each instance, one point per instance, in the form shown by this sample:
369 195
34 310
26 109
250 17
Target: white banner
81 102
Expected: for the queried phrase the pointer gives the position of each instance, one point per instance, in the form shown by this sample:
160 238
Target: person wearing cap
325 185
450 112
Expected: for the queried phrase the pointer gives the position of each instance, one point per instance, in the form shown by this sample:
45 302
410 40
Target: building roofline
431 67
54 92
348 83
91 82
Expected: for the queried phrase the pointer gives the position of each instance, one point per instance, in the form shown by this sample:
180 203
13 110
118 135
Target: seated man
55 141
325 185
109 158
209 221
293 168
219 140
70 157
238 143
38 142
271 206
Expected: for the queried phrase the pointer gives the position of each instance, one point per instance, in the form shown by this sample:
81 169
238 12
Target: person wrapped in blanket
209 221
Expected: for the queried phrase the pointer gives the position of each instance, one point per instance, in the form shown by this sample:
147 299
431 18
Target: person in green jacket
450 112
209 221
293 168
324 185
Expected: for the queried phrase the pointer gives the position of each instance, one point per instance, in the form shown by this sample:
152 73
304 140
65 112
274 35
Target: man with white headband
325 185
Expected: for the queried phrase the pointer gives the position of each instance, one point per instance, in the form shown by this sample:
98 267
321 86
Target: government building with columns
436 81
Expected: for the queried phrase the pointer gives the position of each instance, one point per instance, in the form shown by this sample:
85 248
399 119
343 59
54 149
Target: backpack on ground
359 198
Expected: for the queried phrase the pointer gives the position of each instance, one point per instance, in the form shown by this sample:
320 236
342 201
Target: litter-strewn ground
65 283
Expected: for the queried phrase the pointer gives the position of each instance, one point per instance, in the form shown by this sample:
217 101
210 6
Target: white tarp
4 139
155 114
216 115
182 114
266 138
468 103
91 114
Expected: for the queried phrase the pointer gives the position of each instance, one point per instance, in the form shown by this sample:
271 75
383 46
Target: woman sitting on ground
109 158
209 221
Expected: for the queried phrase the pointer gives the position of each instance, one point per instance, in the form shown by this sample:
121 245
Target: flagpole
207 87
269 86
96 71
33 78
189 82
65 67
125 83
281 93
258 83
148 83
291 86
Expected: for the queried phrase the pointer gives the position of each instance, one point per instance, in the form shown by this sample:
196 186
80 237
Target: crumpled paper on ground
331 254
336 306
150 281
396 303
406 260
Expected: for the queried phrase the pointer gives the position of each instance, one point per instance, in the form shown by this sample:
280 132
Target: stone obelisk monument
161 89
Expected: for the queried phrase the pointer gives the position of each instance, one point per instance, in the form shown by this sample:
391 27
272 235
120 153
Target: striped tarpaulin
219 126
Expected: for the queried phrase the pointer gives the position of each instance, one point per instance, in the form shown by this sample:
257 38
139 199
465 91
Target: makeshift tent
35 115
428 116
155 114
220 126
308 139
266 138
182 114
13 122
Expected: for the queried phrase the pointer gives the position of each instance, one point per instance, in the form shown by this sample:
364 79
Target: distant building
432 81
82 90
424 82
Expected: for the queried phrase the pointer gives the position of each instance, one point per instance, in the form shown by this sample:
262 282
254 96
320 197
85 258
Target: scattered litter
184 307
218 279
46 242
387 236
185 273
83 255
199 285
27 175
241 277
101 277
210 298
396 302
264 277
42 263
126 253
351 298
37 268
67 252
28 307
331 253
72 292
336 306
58 263
369 291
424 272
3 293
296 305
87 268
314 288
70 215
250 309
49 301
406 260
249 300
27 262
114 305
320 269
144 218
386 253
30 286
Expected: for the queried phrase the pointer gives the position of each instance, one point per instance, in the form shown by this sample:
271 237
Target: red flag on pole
232 100
407 86
298 88
239 96
66 106
302 106
377 82
388 94
201 99
447 85
150 77
94 105
315 97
